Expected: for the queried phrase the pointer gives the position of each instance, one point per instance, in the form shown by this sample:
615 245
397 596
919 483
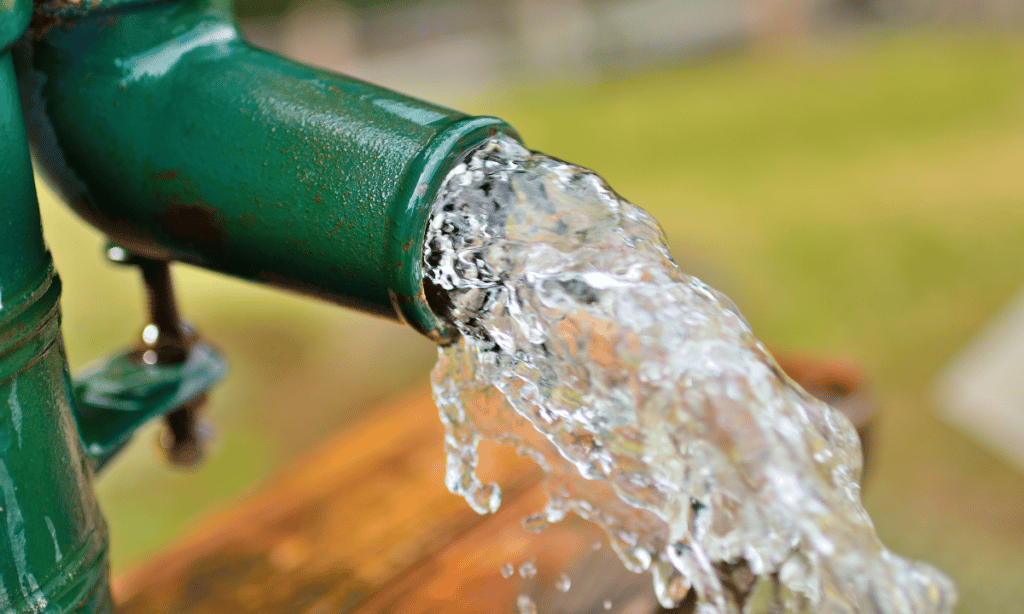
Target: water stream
645 398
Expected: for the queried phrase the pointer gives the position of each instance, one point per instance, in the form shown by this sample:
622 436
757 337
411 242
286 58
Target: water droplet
507 570
526 605
564 583
639 559
607 604
596 546
150 333
536 523
528 569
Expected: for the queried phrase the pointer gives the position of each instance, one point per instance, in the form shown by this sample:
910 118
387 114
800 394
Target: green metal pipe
53 552
23 256
53 542
163 128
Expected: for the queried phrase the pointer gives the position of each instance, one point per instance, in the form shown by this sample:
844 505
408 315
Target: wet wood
365 524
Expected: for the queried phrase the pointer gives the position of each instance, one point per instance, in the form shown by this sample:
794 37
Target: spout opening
411 212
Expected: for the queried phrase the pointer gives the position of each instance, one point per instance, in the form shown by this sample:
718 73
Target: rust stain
300 245
60 14
249 218
42 22
166 175
196 222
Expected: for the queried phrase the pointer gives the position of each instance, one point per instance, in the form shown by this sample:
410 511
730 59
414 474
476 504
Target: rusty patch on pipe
49 14
167 175
196 222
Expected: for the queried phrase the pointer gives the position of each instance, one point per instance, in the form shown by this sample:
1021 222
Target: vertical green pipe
53 553
22 254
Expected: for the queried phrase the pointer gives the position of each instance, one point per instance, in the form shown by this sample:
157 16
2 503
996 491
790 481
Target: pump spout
168 132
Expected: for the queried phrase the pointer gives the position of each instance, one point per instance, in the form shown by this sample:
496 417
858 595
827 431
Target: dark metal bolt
184 436
166 340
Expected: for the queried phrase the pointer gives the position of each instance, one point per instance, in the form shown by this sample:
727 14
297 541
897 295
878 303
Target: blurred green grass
862 196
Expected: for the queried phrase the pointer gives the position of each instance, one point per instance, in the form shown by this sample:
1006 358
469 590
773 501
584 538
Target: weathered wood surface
364 524
329 533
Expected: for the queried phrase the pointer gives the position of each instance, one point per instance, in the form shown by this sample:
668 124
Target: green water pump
160 126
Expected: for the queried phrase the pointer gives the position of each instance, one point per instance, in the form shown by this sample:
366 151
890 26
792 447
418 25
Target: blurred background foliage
850 173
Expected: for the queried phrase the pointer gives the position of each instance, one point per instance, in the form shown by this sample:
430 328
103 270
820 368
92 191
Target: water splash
526 605
528 569
563 584
644 396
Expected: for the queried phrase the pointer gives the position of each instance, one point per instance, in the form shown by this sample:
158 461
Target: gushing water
647 401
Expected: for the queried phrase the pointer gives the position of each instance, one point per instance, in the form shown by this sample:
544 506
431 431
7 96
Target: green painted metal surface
53 547
117 395
14 18
167 131
53 540
180 141
23 258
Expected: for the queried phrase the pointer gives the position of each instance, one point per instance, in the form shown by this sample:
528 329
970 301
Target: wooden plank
465 576
330 531
365 525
